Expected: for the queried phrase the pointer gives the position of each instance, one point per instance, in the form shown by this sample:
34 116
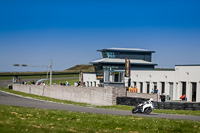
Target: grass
115 107
20 119
38 77
57 81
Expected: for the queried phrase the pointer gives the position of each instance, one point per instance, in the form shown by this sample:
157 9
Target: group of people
64 84
25 83
154 91
133 90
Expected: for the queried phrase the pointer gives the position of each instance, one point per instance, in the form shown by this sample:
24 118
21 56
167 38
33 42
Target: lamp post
47 66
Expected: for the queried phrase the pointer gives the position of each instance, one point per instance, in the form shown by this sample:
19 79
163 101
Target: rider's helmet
151 100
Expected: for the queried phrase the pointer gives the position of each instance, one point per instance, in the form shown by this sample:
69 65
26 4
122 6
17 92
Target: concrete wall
90 95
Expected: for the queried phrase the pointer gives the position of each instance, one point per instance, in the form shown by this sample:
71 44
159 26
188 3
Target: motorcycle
145 107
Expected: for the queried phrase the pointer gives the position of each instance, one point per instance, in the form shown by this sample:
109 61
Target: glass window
110 54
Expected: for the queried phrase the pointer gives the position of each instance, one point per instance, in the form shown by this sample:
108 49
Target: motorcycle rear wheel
134 110
147 111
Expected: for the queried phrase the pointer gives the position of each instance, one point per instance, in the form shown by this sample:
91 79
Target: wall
130 101
90 95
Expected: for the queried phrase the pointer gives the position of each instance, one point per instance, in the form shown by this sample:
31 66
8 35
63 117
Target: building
183 80
113 60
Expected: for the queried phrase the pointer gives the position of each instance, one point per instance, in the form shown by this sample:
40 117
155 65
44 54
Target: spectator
33 82
156 91
67 83
130 88
152 92
135 89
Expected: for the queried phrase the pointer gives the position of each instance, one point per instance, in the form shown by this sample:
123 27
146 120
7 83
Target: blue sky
69 32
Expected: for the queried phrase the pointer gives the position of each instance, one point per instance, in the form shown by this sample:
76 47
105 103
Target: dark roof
125 50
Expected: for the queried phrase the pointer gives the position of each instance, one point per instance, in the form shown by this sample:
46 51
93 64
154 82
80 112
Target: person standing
135 89
67 83
156 91
152 92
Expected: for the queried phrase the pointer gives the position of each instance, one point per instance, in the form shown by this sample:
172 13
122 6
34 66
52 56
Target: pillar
145 87
138 86
174 91
151 86
189 91
198 92
159 87
179 91
166 88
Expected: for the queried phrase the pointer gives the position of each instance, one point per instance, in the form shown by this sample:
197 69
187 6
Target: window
110 54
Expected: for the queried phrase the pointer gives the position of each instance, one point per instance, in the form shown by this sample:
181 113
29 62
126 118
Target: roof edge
189 65
126 50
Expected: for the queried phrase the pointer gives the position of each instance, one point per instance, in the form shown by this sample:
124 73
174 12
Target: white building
184 80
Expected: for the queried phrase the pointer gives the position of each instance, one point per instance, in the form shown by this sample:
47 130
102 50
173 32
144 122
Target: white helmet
151 99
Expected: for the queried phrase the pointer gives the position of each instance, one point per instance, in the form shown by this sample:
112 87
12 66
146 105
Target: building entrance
163 87
116 79
183 88
141 87
148 87
194 91
155 86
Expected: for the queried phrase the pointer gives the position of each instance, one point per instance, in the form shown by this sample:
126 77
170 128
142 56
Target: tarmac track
10 99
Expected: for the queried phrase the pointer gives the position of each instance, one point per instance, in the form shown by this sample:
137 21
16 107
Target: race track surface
10 99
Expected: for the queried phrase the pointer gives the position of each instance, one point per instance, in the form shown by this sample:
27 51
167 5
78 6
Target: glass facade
110 54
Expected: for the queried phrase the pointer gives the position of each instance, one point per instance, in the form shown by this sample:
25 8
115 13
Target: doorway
194 91
183 88
116 77
141 87
163 87
148 87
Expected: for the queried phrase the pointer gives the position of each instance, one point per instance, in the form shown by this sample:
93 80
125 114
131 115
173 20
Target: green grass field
20 119
38 77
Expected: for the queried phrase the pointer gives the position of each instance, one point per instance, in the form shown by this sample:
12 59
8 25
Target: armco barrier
130 101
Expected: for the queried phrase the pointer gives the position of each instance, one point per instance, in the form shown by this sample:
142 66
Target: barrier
133 101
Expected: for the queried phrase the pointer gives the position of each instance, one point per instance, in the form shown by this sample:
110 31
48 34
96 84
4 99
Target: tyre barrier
130 101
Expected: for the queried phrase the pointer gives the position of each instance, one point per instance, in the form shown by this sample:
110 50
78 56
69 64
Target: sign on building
127 67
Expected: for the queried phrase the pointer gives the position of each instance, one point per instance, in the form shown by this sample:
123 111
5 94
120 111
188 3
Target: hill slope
78 68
